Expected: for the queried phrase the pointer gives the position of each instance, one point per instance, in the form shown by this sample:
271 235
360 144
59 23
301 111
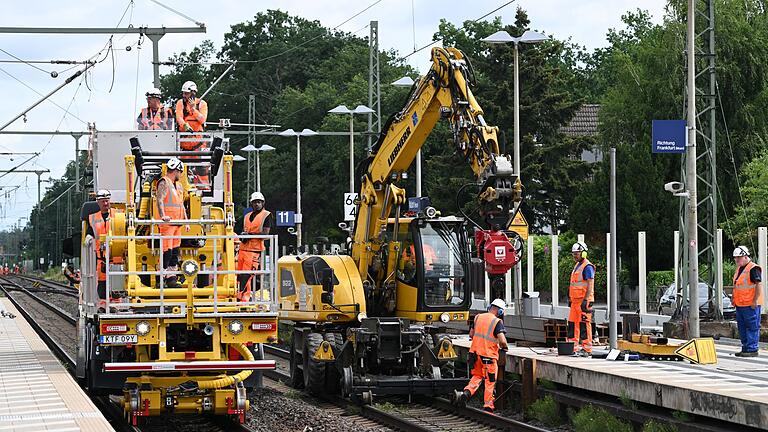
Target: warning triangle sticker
688 351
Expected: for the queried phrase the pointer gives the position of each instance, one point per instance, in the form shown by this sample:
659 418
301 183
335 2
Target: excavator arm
443 93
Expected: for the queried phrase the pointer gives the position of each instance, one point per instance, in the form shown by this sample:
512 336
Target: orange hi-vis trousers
486 369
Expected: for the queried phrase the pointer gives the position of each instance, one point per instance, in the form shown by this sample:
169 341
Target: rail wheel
314 371
332 375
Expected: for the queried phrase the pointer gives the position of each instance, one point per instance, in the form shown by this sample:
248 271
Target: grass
592 419
386 406
682 416
547 384
653 426
546 411
293 394
627 401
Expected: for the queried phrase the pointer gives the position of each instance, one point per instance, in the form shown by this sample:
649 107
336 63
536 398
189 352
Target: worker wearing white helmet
169 206
581 294
155 116
98 225
748 299
191 112
488 338
258 221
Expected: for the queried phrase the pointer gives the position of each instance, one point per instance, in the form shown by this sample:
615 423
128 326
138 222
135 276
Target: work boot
488 409
462 397
749 354
739 354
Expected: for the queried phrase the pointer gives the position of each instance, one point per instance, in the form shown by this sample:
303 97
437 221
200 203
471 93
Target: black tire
314 371
332 374
297 376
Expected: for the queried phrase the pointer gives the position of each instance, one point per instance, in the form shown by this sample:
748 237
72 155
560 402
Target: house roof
584 121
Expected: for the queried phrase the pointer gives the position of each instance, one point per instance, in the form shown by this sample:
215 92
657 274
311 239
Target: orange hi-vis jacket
484 343
100 228
194 117
744 289
254 227
174 201
579 286
159 120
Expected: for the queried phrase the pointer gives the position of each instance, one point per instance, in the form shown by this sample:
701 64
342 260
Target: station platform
36 391
733 390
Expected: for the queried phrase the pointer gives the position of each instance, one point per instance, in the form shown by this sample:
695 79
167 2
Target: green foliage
546 411
592 419
654 426
658 281
627 401
386 406
682 416
754 211
547 384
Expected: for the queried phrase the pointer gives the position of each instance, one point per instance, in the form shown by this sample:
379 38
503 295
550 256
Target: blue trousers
748 321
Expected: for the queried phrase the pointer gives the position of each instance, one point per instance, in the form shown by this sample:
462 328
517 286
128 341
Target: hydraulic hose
229 380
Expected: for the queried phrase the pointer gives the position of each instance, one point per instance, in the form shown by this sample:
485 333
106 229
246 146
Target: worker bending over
748 298
170 206
258 221
487 335
581 295
155 116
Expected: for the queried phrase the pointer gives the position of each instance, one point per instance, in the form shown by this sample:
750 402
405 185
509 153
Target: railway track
422 415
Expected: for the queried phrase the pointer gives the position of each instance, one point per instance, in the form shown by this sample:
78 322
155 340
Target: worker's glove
585 307
187 127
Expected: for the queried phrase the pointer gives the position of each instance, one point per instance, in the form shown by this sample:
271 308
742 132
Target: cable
136 86
188 18
40 94
25 62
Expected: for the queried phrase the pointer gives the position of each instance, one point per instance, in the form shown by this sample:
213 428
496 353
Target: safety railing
88 279
203 137
211 299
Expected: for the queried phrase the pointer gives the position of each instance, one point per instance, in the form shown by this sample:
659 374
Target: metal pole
155 38
517 115
642 288
418 173
258 171
298 191
613 306
529 263
351 153
762 253
719 269
690 171
555 266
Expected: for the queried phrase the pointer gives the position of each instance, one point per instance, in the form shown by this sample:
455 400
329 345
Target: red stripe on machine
114 328
186 366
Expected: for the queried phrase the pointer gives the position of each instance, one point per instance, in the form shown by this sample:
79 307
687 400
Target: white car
668 301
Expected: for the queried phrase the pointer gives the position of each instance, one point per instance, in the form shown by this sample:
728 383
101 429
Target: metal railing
207 302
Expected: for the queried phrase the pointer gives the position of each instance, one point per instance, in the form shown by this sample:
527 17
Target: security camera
343 225
674 187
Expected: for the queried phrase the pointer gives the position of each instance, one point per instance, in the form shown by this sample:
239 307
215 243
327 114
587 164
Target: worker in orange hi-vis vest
748 299
581 295
488 338
191 115
169 206
155 116
256 221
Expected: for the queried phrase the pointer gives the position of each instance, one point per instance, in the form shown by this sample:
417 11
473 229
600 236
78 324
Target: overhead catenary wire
25 62
187 17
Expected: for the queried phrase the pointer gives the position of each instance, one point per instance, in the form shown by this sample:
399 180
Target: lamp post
502 37
250 149
408 82
360 109
298 135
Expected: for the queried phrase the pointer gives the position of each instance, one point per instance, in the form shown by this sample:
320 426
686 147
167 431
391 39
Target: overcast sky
586 22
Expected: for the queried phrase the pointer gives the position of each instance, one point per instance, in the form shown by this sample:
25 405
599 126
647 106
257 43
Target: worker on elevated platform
155 116
169 205
256 222
748 299
488 338
191 115
98 225
581 295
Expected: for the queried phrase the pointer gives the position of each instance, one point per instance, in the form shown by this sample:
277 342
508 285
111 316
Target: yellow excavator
372 322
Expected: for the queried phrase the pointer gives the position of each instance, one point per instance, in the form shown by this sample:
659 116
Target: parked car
668 301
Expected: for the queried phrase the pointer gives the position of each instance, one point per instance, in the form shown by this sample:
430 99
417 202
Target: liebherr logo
399 146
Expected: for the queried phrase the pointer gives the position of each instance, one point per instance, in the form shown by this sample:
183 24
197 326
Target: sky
110 98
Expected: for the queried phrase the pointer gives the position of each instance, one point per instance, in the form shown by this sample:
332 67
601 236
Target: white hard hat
175 164
579 247
741 251
103 194
499 303
154 92
257 196
189 86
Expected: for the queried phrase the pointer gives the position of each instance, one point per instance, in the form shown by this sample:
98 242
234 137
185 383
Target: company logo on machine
500 253
399 146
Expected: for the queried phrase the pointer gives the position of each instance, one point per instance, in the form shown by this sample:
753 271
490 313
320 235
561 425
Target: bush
546 411
653 426
658 281
591 419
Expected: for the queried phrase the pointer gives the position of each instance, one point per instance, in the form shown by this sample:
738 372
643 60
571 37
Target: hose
229 380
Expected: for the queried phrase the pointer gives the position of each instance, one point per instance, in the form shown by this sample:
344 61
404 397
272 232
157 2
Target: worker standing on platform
258 221
170 206
488 338
191 115
748 299
155 116
581 295
98 225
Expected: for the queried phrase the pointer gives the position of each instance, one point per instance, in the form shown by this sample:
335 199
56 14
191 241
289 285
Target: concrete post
762 248
580 237
508 289
518 287
719 275
641 276
529 262
677 263
608 271
487 294
555 266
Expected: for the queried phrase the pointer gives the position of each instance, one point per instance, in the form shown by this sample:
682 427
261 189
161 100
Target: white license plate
123 339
